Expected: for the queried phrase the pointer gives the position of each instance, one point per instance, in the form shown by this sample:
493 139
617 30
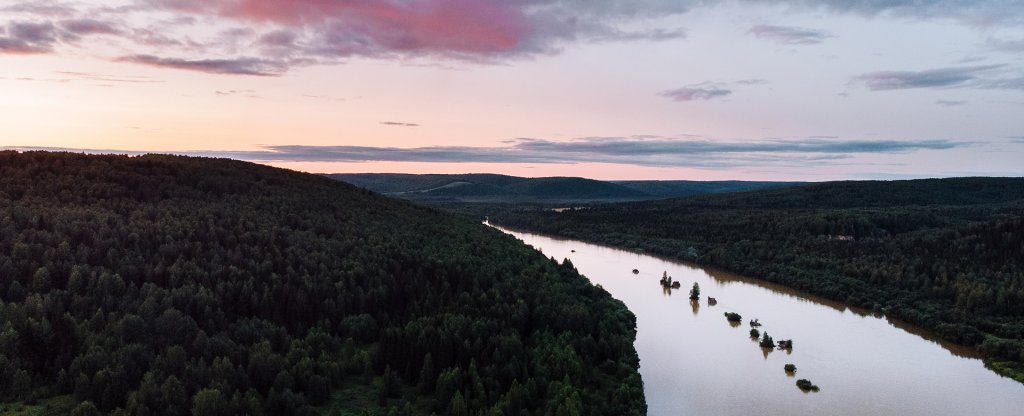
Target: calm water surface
694 363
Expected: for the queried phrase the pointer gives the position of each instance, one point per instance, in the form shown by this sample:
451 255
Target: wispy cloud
950 103
932 78
789 35
642 151
85 26
1012 83
972 12
1007 45
43 9
28 38
90 76
398 124
703 91
752 81
995 77
239 66
243 93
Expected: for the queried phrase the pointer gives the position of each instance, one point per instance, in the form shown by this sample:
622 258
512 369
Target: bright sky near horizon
609 89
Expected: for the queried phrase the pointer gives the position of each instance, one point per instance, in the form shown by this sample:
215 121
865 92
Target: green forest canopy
172 285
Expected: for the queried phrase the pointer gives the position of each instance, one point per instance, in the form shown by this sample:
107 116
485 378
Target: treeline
163 285
944 254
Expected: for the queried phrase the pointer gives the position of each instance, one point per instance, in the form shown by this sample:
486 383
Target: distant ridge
870 194
503 188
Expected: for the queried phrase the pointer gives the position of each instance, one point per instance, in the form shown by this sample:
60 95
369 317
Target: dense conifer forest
944 254
162 285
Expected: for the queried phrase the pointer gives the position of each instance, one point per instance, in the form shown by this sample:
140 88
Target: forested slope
660 189
945 254
163 285
442 190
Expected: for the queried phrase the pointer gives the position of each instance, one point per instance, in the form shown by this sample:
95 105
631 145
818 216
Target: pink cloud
27 38
266 37
380 26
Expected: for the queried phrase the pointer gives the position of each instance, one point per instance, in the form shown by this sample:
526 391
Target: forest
945 254
166 285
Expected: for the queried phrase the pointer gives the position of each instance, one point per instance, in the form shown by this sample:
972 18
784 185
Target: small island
766 341
790 368
695 292
733 317
635 271
754 333
666 281
806 385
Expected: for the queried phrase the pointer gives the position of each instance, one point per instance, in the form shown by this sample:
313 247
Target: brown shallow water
694 363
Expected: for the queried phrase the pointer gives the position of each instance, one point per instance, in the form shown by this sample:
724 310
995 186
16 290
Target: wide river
693 362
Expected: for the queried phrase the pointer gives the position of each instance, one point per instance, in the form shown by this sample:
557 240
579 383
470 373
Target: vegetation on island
733 317
766 341
944 254
806 385
695 291
754 333
789 368
667 282
175 286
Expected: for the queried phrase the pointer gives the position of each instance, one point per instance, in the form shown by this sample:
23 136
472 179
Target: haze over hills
946 254
174 286
503 188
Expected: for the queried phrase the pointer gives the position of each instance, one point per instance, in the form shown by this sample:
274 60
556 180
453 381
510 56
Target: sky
808 90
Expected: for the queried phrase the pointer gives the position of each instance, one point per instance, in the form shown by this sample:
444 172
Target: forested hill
863 194
490 188
947 254
163 285
661 189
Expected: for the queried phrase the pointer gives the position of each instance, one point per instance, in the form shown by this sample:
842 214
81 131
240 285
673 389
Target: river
693 362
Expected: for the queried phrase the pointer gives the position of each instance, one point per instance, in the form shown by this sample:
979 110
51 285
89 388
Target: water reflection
692 363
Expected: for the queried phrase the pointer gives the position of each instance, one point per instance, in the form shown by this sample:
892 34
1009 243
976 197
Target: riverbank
693 362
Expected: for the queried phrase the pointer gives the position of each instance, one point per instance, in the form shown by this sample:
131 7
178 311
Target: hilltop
174 285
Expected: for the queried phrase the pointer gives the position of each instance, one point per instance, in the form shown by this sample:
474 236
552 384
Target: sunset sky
610 89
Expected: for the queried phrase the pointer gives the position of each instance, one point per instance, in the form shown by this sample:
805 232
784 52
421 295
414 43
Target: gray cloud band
625 151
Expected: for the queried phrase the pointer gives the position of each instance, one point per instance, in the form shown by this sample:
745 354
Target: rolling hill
174 286
489 188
